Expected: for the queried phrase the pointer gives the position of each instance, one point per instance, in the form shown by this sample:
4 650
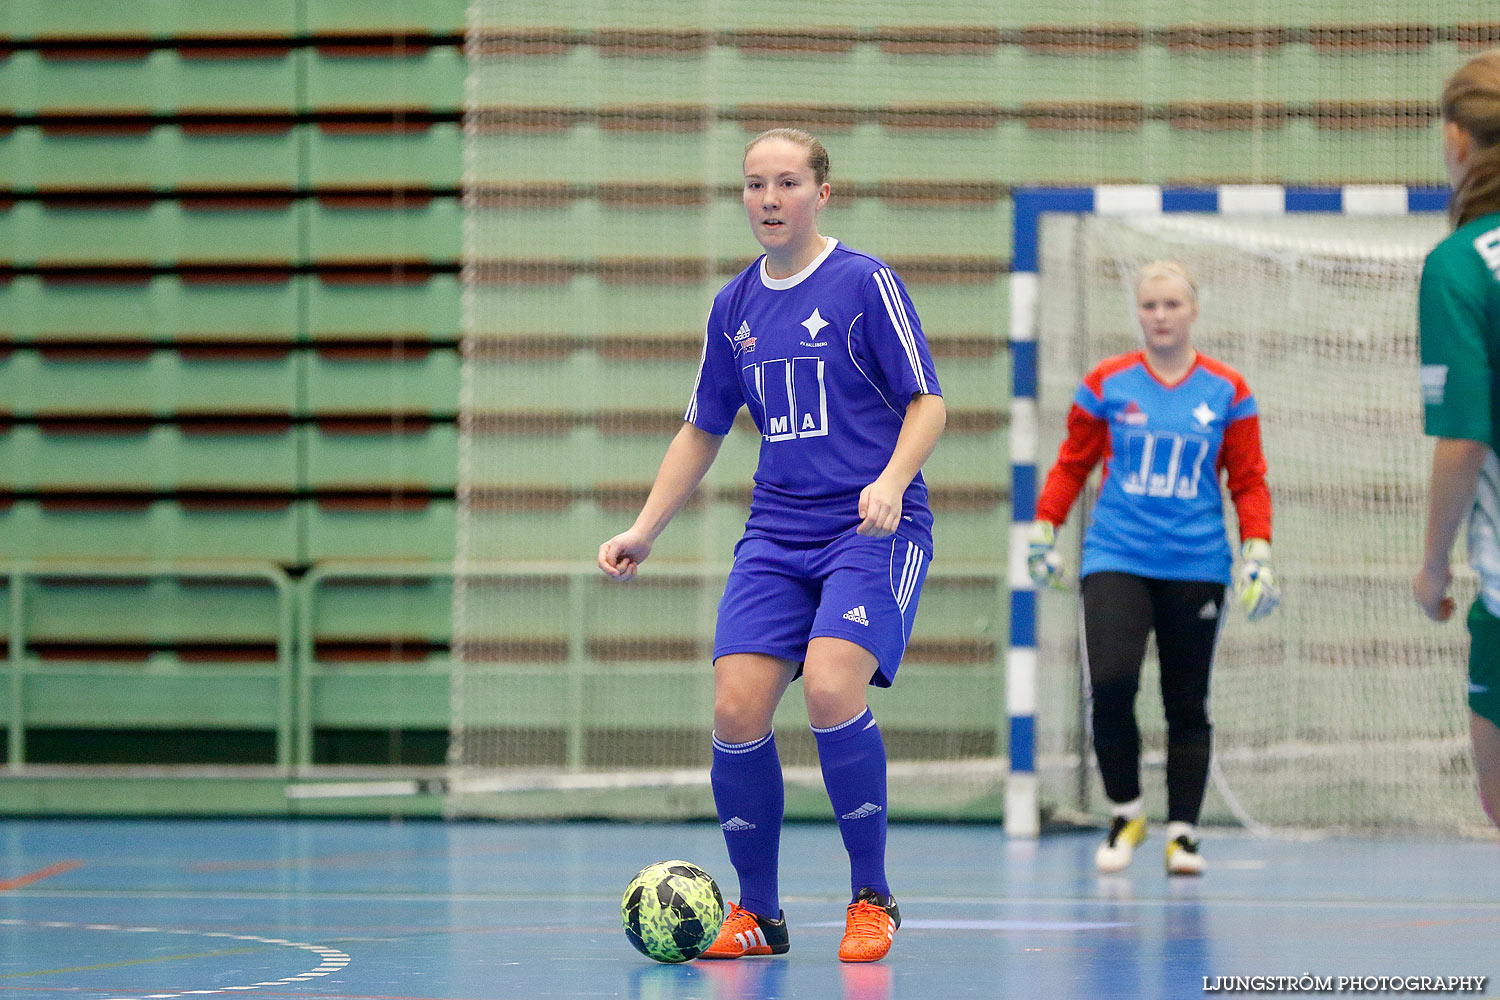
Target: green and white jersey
1459 314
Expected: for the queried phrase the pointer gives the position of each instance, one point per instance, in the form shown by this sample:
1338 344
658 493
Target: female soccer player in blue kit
822 344
1166 420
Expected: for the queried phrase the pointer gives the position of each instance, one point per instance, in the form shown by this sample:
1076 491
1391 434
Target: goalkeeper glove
1042 559
1254 583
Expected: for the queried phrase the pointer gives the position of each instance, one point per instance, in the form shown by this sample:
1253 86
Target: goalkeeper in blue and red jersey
1166 421
1459 314
822 345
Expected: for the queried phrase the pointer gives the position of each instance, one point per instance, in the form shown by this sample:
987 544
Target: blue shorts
861 589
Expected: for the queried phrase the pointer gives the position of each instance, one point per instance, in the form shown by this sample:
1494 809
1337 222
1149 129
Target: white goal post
1345 711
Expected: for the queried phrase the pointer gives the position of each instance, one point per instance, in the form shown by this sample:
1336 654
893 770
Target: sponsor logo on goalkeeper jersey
1434 382
1133 415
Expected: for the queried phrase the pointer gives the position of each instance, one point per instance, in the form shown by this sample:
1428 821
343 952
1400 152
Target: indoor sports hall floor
483 911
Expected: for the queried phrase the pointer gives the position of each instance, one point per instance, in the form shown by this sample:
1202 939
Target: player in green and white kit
1460 330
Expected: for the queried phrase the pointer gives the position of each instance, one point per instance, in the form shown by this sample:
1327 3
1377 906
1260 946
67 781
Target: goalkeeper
1167 421
1459 308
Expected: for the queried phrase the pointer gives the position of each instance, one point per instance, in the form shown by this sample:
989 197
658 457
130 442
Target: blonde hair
1471 100
817 155
1167 269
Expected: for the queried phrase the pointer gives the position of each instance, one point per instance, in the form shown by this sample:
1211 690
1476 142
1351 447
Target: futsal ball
672 911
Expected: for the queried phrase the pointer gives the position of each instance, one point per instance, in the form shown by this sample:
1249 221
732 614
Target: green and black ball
672 911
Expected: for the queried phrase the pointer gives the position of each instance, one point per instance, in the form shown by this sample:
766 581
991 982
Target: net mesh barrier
1346 709
602 150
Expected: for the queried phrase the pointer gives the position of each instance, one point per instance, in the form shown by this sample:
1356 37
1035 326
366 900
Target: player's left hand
879 509
1254 583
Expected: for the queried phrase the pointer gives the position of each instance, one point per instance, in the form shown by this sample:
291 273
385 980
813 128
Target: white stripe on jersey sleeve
896 309
692 407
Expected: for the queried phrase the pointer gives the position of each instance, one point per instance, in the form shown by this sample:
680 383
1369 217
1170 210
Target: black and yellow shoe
1183 857
1125 835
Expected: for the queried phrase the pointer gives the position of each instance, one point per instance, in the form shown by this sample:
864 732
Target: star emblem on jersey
1203 414
857 615
814 323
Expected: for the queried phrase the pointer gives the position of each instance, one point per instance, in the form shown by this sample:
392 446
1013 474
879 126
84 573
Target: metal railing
21 664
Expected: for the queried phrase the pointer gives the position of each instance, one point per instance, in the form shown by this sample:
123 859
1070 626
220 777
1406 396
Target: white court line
329 959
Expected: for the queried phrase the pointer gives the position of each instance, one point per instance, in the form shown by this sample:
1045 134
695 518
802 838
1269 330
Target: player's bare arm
1455 473
687 461
880 502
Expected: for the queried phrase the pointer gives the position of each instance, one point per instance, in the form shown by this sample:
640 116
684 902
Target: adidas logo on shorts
736 825
857 615
868 809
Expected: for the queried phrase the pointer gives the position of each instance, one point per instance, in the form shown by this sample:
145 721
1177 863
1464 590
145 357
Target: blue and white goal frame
1022 803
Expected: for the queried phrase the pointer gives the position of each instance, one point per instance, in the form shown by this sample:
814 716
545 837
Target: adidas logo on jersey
742 342
868 809
1209 610
857 615
736 825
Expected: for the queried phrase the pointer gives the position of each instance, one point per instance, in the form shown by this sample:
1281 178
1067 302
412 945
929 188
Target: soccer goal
1346 710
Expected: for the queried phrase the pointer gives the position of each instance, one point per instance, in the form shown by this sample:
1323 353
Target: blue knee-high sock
853 759
751 800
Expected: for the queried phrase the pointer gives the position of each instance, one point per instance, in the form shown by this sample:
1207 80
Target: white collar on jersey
782 283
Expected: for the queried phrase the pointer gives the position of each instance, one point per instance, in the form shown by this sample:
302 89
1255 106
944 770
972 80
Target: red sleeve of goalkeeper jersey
1087 442
1241 457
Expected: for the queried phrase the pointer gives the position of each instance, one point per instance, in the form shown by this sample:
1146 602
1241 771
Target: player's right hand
622 555
1430 588
1043 560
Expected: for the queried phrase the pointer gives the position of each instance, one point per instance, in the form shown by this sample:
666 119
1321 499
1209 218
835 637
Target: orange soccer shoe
869 927
745 933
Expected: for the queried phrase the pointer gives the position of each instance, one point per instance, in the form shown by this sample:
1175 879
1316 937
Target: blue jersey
826 361
1160 512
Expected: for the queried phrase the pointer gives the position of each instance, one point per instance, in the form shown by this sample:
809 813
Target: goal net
1345 710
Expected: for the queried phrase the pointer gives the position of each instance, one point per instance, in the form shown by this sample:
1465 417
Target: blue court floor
478 911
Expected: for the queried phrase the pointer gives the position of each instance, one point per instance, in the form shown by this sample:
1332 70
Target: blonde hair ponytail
1167 269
